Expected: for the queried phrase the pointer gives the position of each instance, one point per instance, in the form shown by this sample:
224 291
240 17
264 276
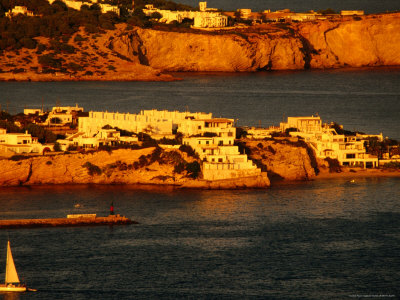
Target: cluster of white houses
204 18
104 7
212 138
326 142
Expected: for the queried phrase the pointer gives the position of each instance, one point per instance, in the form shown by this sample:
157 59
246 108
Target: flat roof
218 120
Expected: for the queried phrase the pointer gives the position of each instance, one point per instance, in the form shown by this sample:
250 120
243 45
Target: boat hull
12 288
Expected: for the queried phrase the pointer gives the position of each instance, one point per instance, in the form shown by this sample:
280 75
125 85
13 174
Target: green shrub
193 169
57 147
189 150
79 38
48 60
18 157
92 169
179 168
392 165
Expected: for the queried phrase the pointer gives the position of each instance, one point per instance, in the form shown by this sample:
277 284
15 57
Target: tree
328 11
57 147
156 15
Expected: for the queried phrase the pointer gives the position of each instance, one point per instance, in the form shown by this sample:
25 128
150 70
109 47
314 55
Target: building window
220 143
219 159
350 156
198 127
207 142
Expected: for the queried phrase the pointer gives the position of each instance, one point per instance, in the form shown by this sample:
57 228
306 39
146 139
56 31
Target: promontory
135 53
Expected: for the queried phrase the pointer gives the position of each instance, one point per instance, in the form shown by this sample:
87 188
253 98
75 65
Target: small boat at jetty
12 283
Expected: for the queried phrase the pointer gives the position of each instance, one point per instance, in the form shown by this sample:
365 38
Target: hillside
134 53
124 166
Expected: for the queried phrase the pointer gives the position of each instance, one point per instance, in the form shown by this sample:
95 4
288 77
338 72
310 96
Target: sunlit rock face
371 41
352 42
283 160
115 167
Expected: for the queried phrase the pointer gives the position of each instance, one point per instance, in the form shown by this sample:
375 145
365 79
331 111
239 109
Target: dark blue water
319 240
369 6
365 100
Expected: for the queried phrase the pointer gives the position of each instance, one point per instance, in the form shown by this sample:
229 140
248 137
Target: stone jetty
71 220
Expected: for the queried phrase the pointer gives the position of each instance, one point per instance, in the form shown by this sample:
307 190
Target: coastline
138 54
352 173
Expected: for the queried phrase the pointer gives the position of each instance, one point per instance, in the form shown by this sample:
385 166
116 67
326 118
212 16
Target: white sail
11 272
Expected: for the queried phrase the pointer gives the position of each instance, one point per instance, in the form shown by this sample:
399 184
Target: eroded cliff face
282 160
143 166
228 52
370 41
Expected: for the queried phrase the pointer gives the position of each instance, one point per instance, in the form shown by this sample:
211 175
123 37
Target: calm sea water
318 240
329 239
369 6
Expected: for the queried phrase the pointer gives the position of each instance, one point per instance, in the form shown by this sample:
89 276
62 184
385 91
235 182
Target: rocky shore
122 166
280 161
147 54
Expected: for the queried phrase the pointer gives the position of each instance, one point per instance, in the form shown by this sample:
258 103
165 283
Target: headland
129 51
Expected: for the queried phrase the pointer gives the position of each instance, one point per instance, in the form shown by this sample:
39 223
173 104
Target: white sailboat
12 283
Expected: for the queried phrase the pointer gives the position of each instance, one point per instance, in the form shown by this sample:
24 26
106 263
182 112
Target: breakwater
66 222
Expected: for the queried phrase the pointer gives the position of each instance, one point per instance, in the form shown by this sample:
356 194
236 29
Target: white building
210 22
61 115
77 5
23 10
104 137
152 122
220 127
33 111
351 12
326 142
213 140
245 13
17 143
221 159
205 18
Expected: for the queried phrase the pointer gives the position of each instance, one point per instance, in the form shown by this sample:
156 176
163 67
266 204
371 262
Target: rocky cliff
372 40
127 53
142 166
281 159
